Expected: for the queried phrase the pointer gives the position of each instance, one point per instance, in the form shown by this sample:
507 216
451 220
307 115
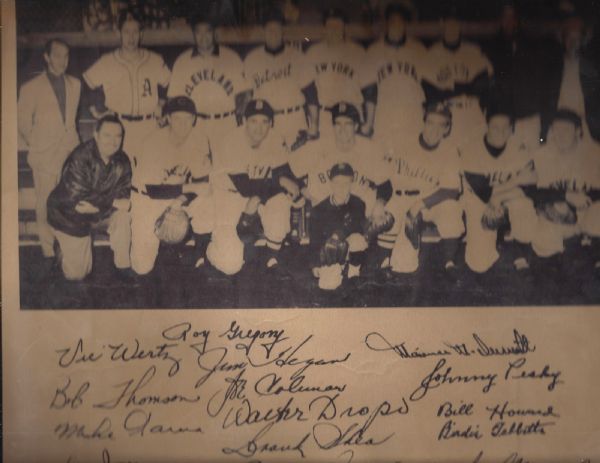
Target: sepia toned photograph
300 153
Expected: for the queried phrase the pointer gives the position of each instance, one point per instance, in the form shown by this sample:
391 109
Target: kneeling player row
244 188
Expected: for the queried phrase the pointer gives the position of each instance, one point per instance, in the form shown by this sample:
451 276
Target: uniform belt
132 118
291 109
407 192
215 116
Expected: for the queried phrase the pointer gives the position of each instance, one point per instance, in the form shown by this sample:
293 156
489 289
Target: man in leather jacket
94 190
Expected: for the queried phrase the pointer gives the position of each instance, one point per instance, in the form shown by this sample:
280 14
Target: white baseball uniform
131 90
495 172
397 71
162 160
577 171
339 75
448 68
316 158
279 79
235 157
212 82
415 173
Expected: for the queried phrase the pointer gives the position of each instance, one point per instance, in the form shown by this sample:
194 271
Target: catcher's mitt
378 224
558 212
412 229
249 227
494 217
334 251
172 226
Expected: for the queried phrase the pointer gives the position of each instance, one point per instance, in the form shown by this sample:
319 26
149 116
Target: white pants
145 211
481 252
446 216
76 251
226 250
550 237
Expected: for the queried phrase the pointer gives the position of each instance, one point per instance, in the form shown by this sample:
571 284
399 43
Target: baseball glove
378 224
412 229
172 226
558 212
249 227
493 217
334 251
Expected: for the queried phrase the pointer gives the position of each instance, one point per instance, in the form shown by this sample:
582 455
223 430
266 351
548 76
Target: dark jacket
327 219
86 177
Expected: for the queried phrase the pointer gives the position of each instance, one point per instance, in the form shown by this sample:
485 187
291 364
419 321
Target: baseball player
212 76
277 74
175 162
459 73
253 190
132 80
315 159
337 228
495 168
338 66
47 109
396 65
568 187
424 187
94 190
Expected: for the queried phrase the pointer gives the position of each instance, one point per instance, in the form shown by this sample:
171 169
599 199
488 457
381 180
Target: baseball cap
341 168
179 104
567 115
345 110
334 13
499 109
258 106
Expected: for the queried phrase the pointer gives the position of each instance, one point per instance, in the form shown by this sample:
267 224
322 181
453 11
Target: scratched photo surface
295 153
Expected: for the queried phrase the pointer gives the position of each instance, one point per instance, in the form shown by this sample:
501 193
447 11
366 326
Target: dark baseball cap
179 104
258 106
567 115
399 9
342 168
274 15
345 110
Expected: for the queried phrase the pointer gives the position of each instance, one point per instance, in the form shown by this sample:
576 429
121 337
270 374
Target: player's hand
416 208
252 205
378 210
84 207
578 199
306 193
357 242
177 177
123 204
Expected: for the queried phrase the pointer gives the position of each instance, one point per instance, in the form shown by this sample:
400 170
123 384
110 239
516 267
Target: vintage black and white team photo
300 153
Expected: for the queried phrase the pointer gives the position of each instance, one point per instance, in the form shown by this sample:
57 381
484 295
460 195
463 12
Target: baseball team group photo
294 153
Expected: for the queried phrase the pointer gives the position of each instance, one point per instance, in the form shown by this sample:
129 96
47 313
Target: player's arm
93 93
25 111
370 97
312 109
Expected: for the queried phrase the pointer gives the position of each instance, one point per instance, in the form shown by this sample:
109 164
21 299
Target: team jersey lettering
500 177
399 67
147 87
209 75
573 184
455 71
257 172
359 179
335 67
270 75
404 169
